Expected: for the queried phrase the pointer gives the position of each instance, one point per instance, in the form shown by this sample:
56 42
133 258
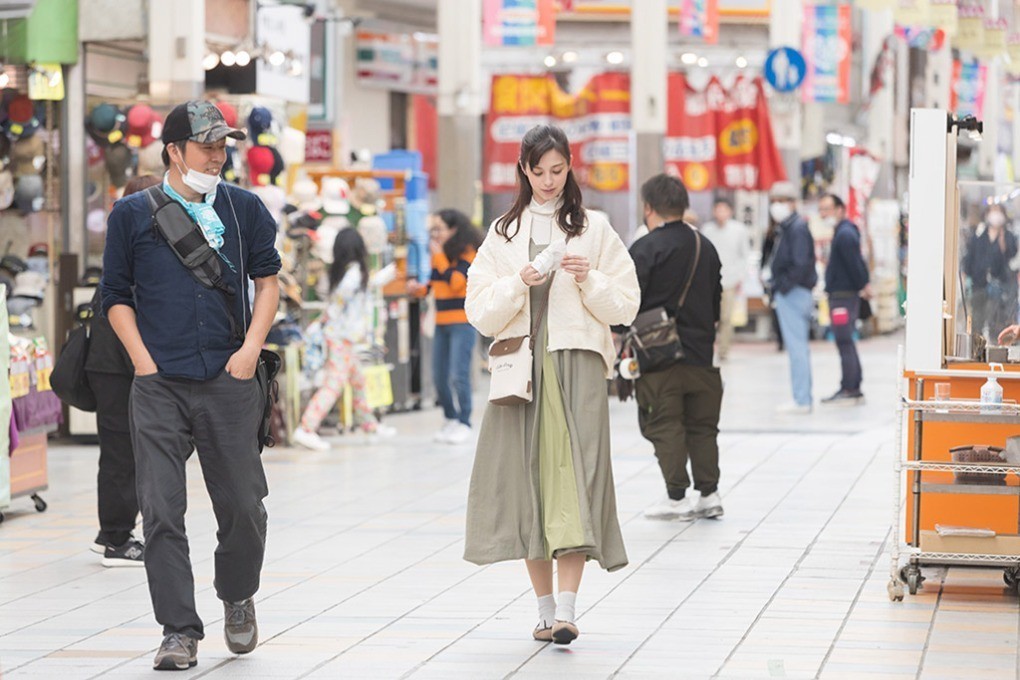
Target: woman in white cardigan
542 484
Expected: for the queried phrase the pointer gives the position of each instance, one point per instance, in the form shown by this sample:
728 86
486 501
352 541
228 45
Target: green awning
48 34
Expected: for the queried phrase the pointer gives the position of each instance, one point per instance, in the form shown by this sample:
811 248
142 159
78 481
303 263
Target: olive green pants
678 411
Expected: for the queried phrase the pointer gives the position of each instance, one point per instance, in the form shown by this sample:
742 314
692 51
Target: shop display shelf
945 466
964 411
954 558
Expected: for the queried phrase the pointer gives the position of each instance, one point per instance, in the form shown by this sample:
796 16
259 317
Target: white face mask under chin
198 181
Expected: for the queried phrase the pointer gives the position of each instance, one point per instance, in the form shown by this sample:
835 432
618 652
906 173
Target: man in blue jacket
793 276
846 277
194 385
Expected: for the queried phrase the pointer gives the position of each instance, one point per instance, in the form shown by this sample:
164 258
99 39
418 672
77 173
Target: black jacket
663 260
986 262
847 272
793 260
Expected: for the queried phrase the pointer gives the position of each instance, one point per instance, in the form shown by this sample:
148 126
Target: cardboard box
1003 544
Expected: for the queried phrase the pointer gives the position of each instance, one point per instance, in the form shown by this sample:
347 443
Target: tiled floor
364 576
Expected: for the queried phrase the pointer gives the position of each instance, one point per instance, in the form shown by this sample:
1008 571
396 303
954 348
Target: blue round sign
785 69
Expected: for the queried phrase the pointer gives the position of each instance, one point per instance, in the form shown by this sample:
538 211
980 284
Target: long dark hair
348 248
538 141
464 236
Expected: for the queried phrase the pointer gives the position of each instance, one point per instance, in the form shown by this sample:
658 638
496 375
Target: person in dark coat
110 373
846 278
987 265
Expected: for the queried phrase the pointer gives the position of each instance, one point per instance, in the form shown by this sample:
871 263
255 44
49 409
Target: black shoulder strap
188 243
694 267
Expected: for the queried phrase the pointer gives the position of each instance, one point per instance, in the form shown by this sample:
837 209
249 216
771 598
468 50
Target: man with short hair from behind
195 351
678 407
846 281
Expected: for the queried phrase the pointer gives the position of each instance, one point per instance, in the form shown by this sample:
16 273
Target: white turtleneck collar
548 209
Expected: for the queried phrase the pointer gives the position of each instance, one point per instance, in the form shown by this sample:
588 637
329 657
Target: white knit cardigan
580 314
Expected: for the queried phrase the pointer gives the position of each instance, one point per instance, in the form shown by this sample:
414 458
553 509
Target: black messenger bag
188 243
654 337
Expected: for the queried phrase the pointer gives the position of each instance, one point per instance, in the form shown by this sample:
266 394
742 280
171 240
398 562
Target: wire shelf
1006 408
959 467
939 557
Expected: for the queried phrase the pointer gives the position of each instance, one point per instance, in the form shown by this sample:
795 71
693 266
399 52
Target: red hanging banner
596 121
719 138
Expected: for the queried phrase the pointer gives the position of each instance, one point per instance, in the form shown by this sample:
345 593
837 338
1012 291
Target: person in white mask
792 277
988 264
194 351
846 282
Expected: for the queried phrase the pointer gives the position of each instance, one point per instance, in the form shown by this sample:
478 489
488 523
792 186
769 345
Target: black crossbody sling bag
188 243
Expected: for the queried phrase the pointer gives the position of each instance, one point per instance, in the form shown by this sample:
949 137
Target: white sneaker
383 432
794 409
459 434
709 506
670 509
310 440
442 436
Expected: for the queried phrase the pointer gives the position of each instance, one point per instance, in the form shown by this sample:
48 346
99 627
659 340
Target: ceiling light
211 61
228 58
615 57
741 62
242 58
834 138
569 57
849 142
277 58
703 62
689 58
296 68
549 61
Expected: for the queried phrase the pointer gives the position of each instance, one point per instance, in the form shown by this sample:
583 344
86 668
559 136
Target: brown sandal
542 634
564 632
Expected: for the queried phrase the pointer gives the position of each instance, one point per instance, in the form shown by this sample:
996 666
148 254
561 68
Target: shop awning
48 34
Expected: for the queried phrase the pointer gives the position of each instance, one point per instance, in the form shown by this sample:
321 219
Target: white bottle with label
991 392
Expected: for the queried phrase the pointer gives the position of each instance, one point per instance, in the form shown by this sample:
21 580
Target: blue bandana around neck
205 217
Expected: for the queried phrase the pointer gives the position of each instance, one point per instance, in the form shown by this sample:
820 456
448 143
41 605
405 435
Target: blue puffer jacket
793 264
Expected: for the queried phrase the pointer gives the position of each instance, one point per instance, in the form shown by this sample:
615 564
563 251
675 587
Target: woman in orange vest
454 241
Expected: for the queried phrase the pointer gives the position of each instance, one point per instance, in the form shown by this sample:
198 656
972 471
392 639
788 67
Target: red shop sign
319 146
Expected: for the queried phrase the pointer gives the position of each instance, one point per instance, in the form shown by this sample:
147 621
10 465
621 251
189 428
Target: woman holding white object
542 485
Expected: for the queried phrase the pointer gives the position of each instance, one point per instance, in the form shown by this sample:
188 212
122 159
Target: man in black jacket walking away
678 407
845 278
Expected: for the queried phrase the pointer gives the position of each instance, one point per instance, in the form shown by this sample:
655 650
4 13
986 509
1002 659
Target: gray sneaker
177 653
239 626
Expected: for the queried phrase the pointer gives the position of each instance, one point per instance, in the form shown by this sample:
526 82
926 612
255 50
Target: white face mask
830 222
996 219
199 181
780 211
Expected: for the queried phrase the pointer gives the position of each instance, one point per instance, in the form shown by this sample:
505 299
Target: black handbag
654 337
69 380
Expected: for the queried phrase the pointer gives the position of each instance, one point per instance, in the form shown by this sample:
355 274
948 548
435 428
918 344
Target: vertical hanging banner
911 12
827 42
967 89
719 138
995 39
1013 50
944 14
596 121
699 19
519 23
970 31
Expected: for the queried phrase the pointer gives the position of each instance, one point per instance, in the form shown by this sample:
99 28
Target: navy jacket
793 261
184 325
847 271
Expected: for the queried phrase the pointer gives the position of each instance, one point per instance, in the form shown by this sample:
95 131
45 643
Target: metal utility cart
929 485
951 509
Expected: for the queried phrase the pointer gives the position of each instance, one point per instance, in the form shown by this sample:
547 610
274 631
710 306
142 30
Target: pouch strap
541 312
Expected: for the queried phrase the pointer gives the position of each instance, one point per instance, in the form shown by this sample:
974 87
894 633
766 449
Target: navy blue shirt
183 324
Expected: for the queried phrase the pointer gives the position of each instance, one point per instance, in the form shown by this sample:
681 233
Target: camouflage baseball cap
199 122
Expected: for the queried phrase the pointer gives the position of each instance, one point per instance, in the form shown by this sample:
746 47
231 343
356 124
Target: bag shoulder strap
694 268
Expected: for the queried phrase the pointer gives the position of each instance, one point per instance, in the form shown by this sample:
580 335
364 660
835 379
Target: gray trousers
218 418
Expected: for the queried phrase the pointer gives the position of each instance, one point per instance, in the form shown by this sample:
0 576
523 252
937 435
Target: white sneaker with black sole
709 506
668 508
131 554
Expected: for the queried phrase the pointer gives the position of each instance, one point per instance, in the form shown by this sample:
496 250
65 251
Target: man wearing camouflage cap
194 385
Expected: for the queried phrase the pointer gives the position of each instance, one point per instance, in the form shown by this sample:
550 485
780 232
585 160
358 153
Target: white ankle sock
565 606
546 611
